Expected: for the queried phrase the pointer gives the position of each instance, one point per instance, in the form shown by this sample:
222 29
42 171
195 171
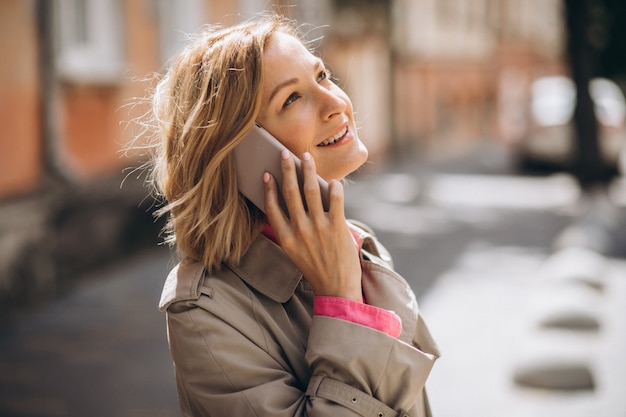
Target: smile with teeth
335 138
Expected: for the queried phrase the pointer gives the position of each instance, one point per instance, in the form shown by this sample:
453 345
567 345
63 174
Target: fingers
274 212
319 243
290 185
336 211
282 221
311 187
305 203
302 195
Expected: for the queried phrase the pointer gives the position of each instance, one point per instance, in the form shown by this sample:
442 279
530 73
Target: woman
284 314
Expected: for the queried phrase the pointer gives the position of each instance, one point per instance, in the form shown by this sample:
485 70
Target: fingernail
285 154
266 177
306 156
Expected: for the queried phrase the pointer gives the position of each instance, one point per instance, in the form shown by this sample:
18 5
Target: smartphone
259 152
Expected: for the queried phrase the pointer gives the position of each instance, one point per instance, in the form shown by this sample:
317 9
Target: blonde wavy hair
201 109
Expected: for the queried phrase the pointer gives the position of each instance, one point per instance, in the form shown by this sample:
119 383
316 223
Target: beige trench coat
245 342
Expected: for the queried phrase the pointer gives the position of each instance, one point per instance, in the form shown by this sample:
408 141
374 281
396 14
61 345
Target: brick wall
21 147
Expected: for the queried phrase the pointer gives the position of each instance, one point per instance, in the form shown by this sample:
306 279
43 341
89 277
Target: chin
354 167
348 164
364 153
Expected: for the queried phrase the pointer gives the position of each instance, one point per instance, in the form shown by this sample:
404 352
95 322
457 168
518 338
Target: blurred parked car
549 139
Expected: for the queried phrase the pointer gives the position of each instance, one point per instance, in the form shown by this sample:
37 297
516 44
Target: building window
89 40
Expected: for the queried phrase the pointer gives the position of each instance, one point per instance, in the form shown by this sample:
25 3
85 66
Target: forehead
287 52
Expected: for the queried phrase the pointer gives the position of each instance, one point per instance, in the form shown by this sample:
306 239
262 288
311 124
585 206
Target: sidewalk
482 314
99 351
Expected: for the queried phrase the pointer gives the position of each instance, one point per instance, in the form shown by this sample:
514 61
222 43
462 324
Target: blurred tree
588 165
594 48
610 42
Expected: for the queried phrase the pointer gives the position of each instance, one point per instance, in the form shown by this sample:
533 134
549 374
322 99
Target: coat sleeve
392 371
370 372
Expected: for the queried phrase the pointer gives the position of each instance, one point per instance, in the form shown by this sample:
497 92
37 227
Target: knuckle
291 190
289 242
302 229
310 188
287 165
304 232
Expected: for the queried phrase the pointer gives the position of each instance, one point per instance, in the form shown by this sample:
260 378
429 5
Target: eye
323 75
292 97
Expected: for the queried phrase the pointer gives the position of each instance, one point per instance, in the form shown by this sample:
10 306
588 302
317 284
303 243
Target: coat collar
267 269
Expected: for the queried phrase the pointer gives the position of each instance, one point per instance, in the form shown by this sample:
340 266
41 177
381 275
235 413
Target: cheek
298 135
295 139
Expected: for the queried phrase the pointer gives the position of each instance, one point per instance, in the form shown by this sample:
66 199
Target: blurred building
68 92
440 72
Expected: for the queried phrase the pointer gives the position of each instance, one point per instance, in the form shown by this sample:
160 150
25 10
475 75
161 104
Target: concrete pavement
482 313
100 350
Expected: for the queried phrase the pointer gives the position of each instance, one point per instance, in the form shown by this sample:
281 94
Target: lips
335 138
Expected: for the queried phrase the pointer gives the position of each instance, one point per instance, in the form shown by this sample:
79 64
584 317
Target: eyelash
323 75
292 97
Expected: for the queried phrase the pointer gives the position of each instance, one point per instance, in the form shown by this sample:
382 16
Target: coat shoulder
182 284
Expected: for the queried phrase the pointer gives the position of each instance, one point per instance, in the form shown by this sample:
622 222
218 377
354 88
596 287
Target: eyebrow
291 81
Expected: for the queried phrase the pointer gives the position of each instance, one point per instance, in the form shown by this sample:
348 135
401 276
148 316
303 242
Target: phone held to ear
259 152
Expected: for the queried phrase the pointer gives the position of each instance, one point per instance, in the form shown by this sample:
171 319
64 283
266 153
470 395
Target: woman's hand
319 243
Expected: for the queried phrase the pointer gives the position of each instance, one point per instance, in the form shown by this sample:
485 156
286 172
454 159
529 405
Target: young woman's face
306 111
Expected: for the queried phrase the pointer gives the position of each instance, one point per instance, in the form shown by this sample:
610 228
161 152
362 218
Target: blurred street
470 236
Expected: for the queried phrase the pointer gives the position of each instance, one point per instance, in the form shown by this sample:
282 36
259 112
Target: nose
330 102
